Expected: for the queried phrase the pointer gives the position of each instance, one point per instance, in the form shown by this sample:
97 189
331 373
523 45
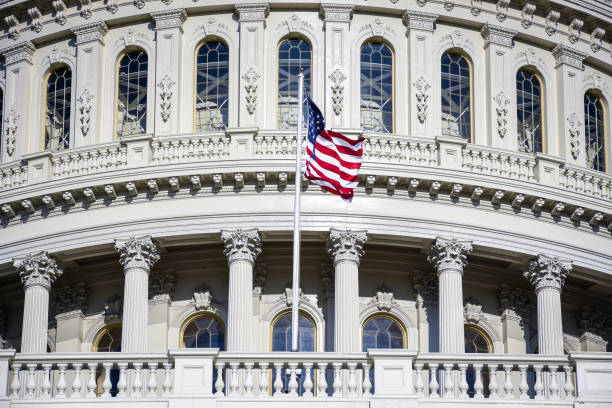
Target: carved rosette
250 86
38 269
337 77
546 271
574 133
241 245
137 252
501 107
346 245
165 95
449 253
69 299
422 94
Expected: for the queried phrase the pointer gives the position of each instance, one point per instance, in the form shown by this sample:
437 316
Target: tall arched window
594 131
529 111
131 110
293 54
476 341
382 332
211 87
57 109
376 87
456 95
108 340
203 331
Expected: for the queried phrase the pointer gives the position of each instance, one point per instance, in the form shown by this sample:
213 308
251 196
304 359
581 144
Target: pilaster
17 136
89 82
499 87
337 18
420 29
570 111
37 272
251 21
168 35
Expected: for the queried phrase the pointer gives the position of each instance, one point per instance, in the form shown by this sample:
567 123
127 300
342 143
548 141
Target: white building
146 173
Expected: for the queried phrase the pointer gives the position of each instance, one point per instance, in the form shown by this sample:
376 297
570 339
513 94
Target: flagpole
296 217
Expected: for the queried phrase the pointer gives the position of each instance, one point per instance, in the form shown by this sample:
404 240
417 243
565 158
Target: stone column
89 43
137 255
169 29
346 249
547 274
241 249
37 272
19 136
449 258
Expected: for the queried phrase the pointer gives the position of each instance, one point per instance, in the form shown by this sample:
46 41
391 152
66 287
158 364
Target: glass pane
57 117
293 54
594 131
204 331
529 111
212 82
456 105
132 94
376 79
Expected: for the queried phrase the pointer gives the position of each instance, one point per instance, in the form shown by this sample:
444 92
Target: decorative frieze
449 253
69 299
346 245
161 285
574 30
18 52
552 19
574 132
497 35
418 20
60 11
35 22
241 245
86 11
337 77
169 18
38 269
13 29
252 11
336 12
545 271
527 14
596 38
422 95
501 107
90 32
113 308
502 9
250 78
566 55
137 252
165 85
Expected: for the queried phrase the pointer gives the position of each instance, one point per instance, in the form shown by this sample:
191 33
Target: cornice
169 18
418 20
337 12
569 56
497 35
90 32
22 51
252 11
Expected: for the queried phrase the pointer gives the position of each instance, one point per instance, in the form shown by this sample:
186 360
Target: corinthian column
37 272
449 258
547 274
241 249
137 255
346 249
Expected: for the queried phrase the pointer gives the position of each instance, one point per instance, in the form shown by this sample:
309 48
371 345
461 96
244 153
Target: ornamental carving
574 133
113 308
472 311
574 30
260 274
131 37
165 95
476 7
502 9
12 23
69 299
418 20
250 86
337 78
295 24
527 14
591 321
112 6
287 297
241 245
35 15
497 35
383 299
337 12
252 11
501 107
422 95
85 9
551 21
38 269
211 27
161 285
378 28
566 55
514 302
11 124
91 32
85 102
60 8
18 52
596 38
57 54
425 287
169 18
546 271
139 3
346 245
449 253
421 3
137 252
202 297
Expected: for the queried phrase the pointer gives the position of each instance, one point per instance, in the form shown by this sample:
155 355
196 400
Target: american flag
333 159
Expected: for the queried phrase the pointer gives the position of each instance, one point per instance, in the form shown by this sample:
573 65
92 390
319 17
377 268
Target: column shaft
346 309
135 311
550 330
35 319
451 338
240 306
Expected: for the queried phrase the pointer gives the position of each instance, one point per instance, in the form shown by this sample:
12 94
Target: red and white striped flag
333 159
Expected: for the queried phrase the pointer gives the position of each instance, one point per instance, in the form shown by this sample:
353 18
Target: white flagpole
296 217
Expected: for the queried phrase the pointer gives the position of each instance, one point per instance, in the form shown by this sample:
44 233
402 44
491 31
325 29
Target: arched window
131 110
108 340
203 330
382 332
456 96
293 54
594 131
211 87
57 109
476 341
376 87
529 111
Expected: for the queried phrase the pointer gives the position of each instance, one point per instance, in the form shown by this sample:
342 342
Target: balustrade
497 162
88 160
13 175
190 148
589 182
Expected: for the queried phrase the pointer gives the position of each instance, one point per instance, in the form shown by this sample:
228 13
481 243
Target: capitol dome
147 171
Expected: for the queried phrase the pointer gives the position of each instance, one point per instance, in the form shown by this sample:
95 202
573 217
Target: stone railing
12 175
190 148
496 162
590 182
88 160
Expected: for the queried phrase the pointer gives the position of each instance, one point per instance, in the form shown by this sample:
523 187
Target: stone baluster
37 272
137 384
321 380
137 255
91 380
15 384
508 387
278 381
219 384
448 381
449 258
493 381
308 380
553 387
538 386
263 378
233 382
152 383
31 381
45 387
76 383
433 381
248 381
478 386
167 381
337 385
293 384
61 382
241 250
419 386
548 274
106 385
352 380
122 384
569 385
346 249
463 385
523 387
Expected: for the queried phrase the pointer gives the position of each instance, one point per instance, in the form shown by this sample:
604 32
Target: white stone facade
444 234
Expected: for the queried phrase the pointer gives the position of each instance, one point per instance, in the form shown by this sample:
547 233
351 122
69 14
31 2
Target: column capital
18 52
497 35
137 252
337 12
418 20
449 253
545 271
169 18
241 245
90 32
252 11
568 56
38 269
346 245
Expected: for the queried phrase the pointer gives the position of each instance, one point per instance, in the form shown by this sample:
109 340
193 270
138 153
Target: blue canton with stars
316 124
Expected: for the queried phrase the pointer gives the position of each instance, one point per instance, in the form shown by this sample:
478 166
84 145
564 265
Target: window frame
100 334
540 79
284 313
393 61
390 317
54 68
196 315
606 146
121 55
483 333
470 63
